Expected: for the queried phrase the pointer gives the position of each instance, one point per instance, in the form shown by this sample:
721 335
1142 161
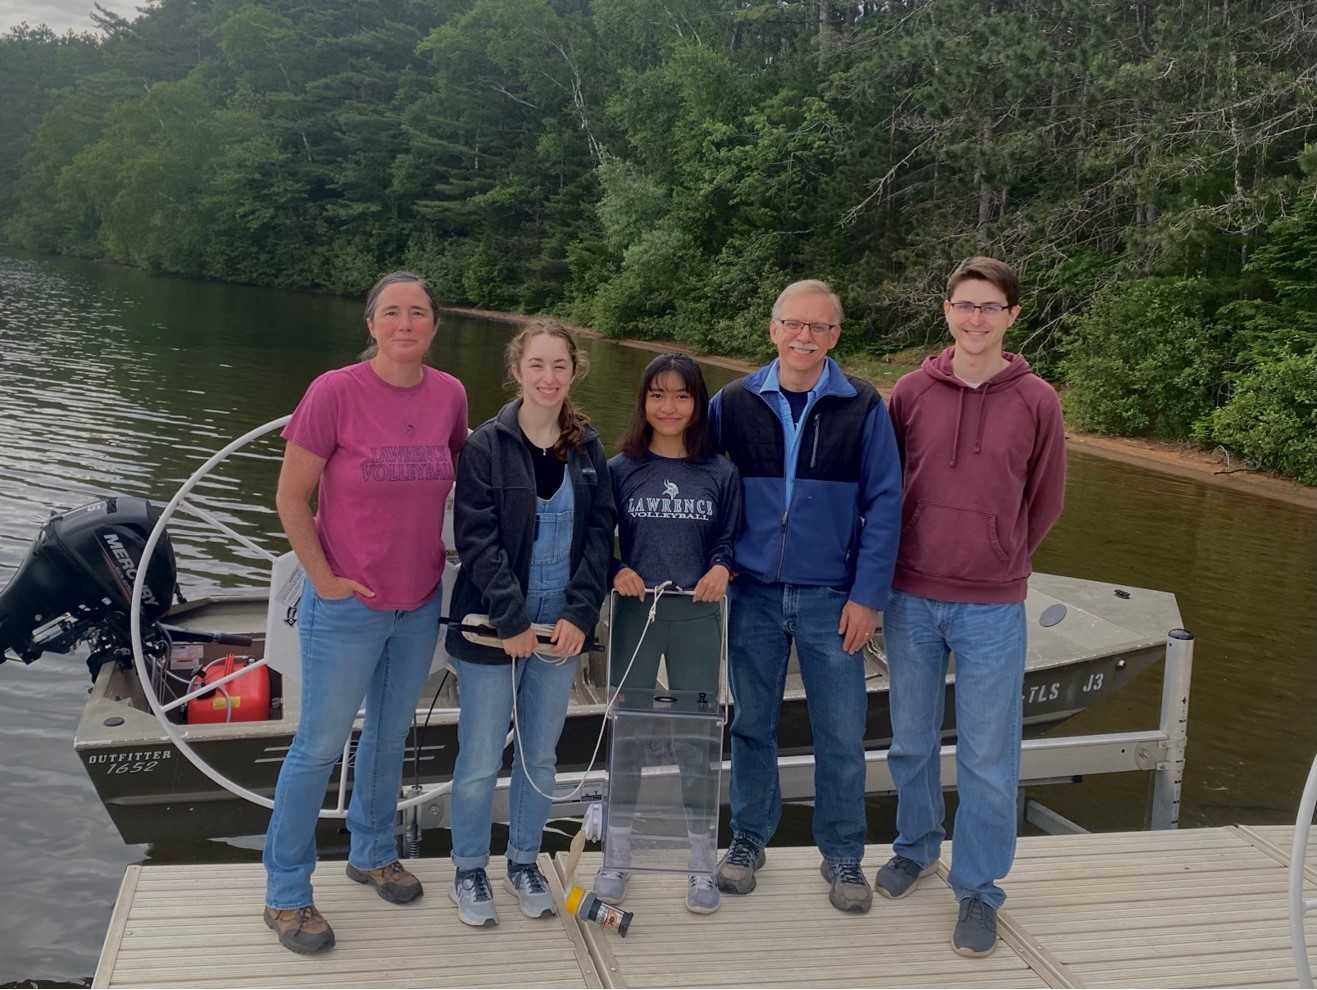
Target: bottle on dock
587 907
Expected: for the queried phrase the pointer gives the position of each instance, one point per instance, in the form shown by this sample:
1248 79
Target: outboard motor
77 580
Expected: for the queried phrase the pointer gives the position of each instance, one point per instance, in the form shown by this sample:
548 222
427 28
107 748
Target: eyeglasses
987 309
817 329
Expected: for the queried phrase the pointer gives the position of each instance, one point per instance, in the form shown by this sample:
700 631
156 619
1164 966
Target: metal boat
163 779
1107 636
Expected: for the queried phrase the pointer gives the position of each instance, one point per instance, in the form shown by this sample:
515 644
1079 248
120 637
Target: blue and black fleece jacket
830 515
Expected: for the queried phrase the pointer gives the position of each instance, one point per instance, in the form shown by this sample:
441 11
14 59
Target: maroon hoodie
984 479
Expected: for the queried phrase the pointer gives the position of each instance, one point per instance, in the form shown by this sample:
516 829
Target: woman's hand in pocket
567 639
336 588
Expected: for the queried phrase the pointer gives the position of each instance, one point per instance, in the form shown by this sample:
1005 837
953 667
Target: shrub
1271 418
1143 358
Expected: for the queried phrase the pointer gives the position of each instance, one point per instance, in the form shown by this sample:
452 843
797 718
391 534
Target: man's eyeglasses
987 309
817 329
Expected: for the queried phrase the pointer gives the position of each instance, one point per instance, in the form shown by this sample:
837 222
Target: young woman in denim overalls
533 522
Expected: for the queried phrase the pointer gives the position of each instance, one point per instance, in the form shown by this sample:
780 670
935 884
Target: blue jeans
349 652
763 621
543 692
990 643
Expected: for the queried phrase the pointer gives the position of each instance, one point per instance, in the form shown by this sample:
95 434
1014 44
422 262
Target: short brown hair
990 270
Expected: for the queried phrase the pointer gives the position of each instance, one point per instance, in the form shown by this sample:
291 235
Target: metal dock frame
1044 760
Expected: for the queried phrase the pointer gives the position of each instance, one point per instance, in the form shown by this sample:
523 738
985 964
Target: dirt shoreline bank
1179 460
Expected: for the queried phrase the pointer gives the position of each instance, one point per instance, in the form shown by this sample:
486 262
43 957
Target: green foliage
663 169
1144 358
1270 419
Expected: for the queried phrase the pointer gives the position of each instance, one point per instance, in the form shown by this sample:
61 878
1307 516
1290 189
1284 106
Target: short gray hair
809 286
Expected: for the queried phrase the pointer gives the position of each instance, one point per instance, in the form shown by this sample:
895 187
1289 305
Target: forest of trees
664 167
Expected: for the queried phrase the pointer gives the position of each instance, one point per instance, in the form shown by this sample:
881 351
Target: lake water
116 381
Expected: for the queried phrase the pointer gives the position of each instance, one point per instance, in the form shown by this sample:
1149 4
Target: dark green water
114 381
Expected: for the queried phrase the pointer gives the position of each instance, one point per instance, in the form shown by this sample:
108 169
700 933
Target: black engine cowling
79 575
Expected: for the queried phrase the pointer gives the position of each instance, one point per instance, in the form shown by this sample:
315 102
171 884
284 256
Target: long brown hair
698 443
571 422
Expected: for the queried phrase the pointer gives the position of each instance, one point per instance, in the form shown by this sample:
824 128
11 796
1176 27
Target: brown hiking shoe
394 883
303 929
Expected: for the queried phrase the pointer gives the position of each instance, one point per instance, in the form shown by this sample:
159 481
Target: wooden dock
1187 908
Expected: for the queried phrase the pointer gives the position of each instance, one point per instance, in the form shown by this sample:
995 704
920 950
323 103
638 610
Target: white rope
603 727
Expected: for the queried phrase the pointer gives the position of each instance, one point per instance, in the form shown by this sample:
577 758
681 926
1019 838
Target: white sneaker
610 885
702 895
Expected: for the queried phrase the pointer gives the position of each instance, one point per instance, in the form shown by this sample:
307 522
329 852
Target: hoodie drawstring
960 409
983 415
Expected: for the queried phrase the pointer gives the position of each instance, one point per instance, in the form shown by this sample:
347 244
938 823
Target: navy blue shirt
675 518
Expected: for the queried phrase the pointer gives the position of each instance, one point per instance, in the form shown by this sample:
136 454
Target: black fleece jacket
494 528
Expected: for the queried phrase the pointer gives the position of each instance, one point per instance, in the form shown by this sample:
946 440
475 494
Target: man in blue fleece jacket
814 557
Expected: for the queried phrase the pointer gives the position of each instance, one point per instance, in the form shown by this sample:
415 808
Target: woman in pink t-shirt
379 440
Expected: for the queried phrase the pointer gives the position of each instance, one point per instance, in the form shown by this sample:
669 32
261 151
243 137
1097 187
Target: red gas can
243 699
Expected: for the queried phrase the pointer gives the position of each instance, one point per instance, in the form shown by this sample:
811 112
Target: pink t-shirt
388 471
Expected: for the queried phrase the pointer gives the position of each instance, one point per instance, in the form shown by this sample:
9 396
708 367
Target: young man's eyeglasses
817 329
987 309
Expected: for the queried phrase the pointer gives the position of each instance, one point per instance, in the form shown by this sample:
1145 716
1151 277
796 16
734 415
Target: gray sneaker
474 898
527 883
736 870
850 891
610 886
900 876
976 928
702 895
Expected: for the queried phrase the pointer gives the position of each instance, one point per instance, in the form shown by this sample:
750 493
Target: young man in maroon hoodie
983 447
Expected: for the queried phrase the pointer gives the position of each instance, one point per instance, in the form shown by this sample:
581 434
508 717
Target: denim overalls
550 556
544 689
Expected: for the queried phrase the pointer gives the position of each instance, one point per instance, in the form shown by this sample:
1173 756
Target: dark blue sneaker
976 928
900 876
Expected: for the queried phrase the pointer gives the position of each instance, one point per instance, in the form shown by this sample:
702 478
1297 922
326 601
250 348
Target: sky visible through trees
663 167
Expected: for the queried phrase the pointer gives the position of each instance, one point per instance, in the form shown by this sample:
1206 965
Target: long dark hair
699 444
571 421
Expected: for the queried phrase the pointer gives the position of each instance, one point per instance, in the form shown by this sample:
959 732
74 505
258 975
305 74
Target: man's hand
627 582
521 645
713 585
858 624
567 639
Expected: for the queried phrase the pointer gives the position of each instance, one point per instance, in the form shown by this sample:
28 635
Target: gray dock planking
1187 908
